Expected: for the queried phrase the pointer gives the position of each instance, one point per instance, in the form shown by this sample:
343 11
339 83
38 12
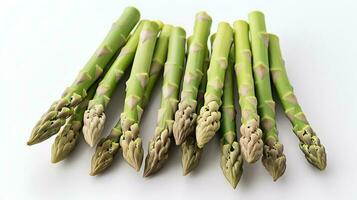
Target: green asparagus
273 157
62 109
130 142
251 136
159 145
309 142
231 157
108 147
94 116
190 152
69 133
185 116
208 122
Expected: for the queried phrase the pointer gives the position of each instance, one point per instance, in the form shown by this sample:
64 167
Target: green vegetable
208 122
94 116
62 109
190 152
273 157
68 135
159 145
250 140
309 142
130 142
231 157
185 116
108 147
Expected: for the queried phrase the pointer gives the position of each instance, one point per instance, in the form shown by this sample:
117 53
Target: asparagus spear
208 122
68 134
309 142
94 116
273 157
190 152
56 116
231 157
185 116
250 141
109 146
67 137
130 142
159 145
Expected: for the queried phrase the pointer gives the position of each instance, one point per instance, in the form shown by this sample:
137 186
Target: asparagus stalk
108 147
273 157
208 122
185 116
251 136
68 135
130 142
231 157
159 145
190 152
309 142
94 116
56 116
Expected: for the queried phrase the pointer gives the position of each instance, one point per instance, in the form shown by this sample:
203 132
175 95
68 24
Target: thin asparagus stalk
251 136
273 157
94 116
231 157
108 147
185 116
130 142
159 145
66 139
190 152
309 142
208 122
68 135
56 116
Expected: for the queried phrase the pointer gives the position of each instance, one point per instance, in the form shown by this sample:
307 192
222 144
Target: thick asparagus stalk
94 116
309 142
60 110
273 157
67 137
208 122
130 142
159 145
185 116
251 136
69 133
190 152
108 147
231 157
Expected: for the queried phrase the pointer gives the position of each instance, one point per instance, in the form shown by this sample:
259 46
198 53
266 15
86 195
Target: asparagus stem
185 116
56 116
208 122
68 135
130 142
66 139
159 145
94 116
108 147
250 141
190 152
231 157
309 142
273 157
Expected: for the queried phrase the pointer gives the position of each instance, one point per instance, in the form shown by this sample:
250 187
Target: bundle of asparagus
60 110
206 104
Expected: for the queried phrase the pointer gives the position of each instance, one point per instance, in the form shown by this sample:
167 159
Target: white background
43 44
